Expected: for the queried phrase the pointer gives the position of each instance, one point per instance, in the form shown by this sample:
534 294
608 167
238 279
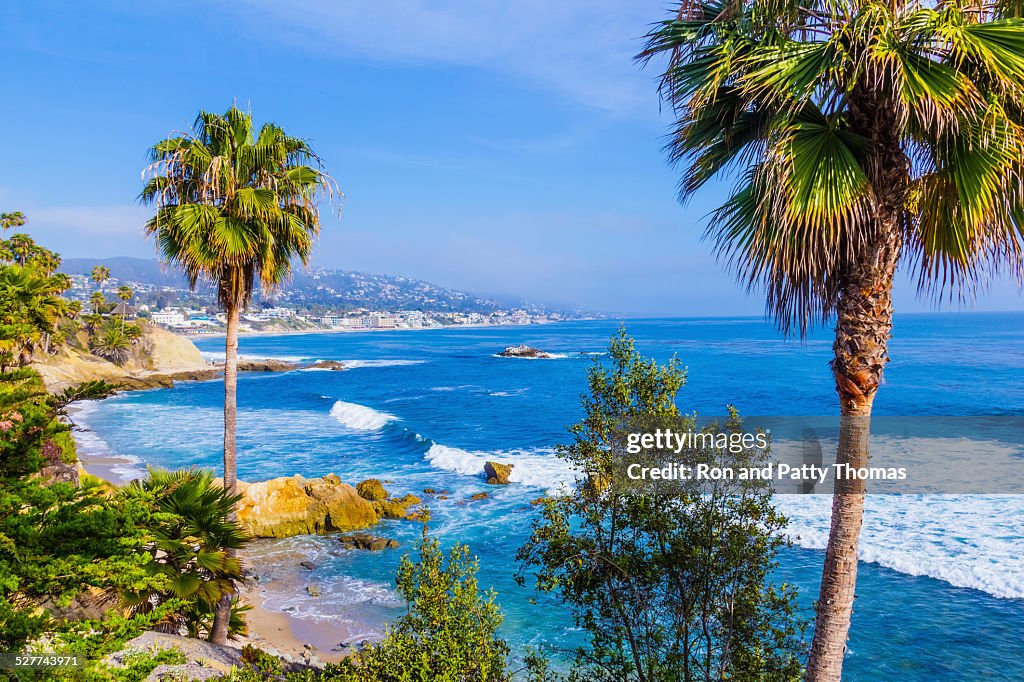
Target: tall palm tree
97 300
22 246
100 274
9 220
125 293
863 131
234 207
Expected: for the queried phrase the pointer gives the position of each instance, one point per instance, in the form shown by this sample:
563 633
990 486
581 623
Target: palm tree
22 246
863 132
9 220
125 293
111 344
30 308
97 300
234 207
193 540
100 274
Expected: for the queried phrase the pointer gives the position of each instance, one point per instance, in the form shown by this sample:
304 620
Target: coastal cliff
158 358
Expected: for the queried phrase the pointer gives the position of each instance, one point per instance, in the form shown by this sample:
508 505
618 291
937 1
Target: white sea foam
538 468
360 417
345 601
89 444
966 540
550 356
381 362
507 394
218 356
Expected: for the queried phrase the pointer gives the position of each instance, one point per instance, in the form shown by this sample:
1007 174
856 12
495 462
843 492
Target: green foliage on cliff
58 541
30 302
70 548
667 583
190 535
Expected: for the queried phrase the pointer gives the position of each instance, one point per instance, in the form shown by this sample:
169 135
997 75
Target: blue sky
501 147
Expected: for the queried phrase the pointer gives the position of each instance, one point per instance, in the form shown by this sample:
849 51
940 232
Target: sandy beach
285 634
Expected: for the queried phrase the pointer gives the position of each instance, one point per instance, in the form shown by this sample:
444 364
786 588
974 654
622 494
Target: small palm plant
112 345
192 544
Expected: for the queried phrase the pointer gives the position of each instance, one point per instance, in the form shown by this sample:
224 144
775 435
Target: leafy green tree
667 582
193 538
448 634
234 207
863 133
58 541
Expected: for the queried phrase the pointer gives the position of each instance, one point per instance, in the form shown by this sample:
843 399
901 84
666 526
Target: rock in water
395 508
372 489
308 565
497 473
523 351
283 507
367 541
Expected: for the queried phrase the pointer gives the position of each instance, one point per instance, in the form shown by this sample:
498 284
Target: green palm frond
234 208
827 110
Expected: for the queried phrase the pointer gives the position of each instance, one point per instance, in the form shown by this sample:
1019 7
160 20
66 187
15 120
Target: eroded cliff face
155 360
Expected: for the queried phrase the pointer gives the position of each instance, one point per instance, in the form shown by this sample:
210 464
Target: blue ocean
941 587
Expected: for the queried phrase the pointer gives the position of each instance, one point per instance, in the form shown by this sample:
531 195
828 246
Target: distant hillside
332 289
147 270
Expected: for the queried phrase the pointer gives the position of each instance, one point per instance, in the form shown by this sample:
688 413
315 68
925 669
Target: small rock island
524 351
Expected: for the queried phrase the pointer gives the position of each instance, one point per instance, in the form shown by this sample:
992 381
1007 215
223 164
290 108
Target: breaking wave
360 417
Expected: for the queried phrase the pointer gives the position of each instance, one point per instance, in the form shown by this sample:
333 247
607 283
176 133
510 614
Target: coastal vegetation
234 208
69 546
864 134
666 582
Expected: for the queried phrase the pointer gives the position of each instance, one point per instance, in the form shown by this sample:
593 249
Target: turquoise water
941 589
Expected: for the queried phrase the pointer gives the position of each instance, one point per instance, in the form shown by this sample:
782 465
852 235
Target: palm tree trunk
219 630
863 327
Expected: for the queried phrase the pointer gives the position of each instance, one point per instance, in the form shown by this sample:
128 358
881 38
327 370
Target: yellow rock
283 507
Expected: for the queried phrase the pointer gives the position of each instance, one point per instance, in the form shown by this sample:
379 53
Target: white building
271 313
172 317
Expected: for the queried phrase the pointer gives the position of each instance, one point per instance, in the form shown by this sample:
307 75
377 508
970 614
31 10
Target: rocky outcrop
524 351
372 489
283 507
203 660
367 541
160 359
158 356
497 473
395 507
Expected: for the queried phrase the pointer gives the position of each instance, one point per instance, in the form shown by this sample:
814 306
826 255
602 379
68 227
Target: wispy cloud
580 49
89 230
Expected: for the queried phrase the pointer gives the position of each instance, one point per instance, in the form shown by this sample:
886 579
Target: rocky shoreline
293 505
